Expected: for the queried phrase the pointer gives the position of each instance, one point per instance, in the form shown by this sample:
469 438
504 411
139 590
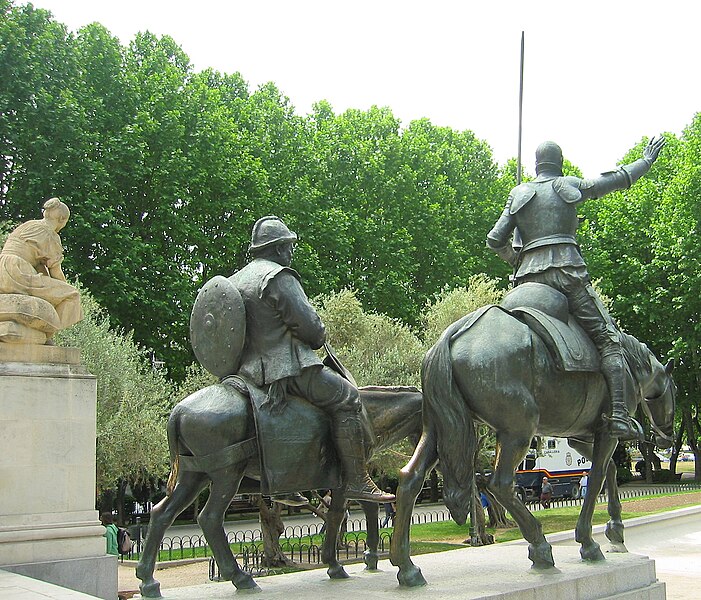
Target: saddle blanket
297 450
568 344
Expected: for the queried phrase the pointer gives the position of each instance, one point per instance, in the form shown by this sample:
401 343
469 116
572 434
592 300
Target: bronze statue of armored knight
544 213
272 331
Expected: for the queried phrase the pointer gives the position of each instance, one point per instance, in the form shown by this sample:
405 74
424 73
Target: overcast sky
598 75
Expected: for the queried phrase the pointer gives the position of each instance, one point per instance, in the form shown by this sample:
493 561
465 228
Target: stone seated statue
35 299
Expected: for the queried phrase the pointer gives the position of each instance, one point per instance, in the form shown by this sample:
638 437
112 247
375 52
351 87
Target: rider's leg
340 400
592 315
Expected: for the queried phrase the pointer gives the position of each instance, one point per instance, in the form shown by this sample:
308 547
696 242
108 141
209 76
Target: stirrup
625 429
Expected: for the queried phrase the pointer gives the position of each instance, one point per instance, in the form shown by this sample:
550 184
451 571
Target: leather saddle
545 311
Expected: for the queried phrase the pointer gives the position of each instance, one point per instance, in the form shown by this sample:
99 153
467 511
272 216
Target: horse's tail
446 409
173 422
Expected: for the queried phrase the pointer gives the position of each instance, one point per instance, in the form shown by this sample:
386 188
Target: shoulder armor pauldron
520 196
567 189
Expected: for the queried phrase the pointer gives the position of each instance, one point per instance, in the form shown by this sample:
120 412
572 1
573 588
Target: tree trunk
676 448
107 499
693 429
121 493
272 528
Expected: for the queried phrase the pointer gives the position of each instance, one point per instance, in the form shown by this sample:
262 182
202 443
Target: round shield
218 327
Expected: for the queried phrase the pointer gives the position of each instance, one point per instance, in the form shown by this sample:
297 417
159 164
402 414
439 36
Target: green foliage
166 170
643 244
623 474
451 305
5 228
196 378
378 350
132 400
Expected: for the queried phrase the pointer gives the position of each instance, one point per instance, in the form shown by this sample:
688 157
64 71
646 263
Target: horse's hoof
591 552
243 581
370 559
152 589
411 577
614 532
337 572
541 555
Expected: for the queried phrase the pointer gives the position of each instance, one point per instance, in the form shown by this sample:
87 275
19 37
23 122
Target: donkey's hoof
152 589
370 559
591 552
337 572
411 577
541 555
243 581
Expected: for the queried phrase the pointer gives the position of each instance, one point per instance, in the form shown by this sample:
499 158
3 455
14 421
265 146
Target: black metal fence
297 541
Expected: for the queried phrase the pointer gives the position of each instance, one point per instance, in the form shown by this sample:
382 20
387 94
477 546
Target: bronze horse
498 372
219 417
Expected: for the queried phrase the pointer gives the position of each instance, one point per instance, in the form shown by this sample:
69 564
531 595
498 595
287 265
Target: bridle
648 412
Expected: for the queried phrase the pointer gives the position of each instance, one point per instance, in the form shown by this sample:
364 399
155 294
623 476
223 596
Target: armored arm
284 292
626 175
499 238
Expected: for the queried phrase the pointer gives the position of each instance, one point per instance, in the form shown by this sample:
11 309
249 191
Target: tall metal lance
516 242
520 113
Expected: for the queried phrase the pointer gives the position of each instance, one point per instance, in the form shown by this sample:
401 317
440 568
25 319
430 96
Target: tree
643 244
133 402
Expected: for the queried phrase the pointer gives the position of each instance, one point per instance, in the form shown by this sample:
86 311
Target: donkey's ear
669 367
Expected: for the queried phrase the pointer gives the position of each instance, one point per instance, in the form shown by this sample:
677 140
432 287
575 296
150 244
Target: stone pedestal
49 528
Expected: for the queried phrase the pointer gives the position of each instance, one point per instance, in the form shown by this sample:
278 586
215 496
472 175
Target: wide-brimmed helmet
270 230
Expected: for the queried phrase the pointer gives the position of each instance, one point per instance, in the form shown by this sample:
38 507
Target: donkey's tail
445 407
173 422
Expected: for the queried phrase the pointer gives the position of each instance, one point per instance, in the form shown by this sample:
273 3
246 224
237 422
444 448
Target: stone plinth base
49 527
96 576
500 571
14 585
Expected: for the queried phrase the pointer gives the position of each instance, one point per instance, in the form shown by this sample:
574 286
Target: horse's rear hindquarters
492 367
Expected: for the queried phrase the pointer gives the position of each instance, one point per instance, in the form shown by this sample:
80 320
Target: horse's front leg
604 446
162 516
371 510
411 479
334 518
512 449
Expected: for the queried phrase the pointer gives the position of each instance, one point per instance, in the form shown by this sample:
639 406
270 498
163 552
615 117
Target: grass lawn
684 467
447 535
552 521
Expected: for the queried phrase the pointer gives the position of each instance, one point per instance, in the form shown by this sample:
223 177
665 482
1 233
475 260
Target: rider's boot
351 450
621 425
291 499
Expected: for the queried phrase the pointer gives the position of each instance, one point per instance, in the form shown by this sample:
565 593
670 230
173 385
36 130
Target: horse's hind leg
189 485
334 517
614 528
604 446
371 510
411 480
512 449
225 483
